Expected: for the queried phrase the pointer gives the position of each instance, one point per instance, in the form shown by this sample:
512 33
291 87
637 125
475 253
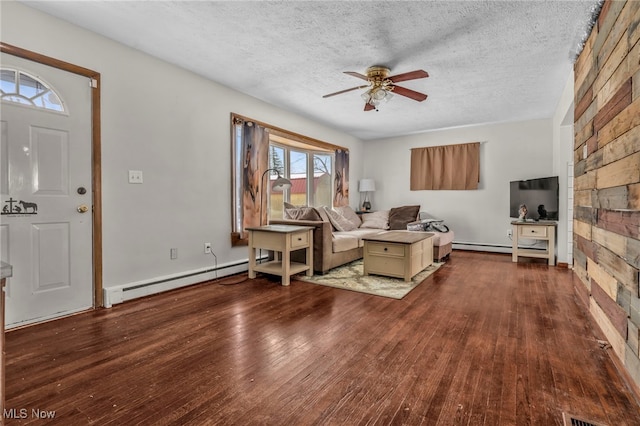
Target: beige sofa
333 247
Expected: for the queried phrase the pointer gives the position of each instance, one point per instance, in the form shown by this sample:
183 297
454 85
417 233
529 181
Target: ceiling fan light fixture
380 85
379 94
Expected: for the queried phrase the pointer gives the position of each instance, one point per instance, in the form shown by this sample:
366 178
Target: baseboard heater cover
493 248
118 294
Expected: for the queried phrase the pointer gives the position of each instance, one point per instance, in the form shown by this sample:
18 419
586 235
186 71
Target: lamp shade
366 185
280 184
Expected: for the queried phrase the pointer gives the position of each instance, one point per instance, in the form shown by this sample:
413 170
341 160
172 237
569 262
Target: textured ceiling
488 61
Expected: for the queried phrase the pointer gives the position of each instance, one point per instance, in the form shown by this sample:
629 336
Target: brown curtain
251 156
341 184
446 167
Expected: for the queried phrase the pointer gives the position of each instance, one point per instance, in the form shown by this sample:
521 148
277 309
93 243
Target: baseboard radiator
122 293
494 248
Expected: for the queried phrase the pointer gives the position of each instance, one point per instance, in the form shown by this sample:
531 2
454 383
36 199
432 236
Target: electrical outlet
207 248
135 176
174 253
509 232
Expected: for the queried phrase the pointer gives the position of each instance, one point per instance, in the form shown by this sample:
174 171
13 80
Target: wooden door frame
96 163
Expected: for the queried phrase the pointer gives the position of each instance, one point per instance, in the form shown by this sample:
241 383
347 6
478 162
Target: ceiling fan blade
416 96
345 91
411 75
357 74
368 107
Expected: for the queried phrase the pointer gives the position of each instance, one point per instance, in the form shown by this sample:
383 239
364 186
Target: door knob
82 208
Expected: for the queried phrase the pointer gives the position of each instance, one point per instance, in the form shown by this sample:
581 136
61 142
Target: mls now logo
23 413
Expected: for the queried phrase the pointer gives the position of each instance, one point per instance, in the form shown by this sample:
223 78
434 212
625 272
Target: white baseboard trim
122 293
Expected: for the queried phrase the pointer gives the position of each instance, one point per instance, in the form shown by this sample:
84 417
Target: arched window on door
21 88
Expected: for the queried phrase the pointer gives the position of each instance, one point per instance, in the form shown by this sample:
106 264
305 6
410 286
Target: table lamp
366 186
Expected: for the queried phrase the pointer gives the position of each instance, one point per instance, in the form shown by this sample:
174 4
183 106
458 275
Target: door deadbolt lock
83 209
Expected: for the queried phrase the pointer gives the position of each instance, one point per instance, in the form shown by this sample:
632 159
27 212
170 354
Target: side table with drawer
282 240
543 231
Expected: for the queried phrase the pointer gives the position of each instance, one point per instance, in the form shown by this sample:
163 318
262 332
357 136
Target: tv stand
541 230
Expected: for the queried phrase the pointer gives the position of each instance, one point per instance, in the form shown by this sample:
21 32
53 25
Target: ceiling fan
381 87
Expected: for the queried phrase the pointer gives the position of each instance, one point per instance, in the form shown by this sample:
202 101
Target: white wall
175 127
511 151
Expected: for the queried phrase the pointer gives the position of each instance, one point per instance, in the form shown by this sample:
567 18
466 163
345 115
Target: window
309 170
318 171
21 88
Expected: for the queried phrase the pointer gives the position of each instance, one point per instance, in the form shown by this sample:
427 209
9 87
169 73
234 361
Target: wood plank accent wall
607 179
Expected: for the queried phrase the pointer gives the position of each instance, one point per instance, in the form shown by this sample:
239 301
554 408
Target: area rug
350 277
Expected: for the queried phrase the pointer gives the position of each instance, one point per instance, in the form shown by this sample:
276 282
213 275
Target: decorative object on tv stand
278 185
522 213
366 186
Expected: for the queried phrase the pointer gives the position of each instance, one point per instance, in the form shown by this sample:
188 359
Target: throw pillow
323 214
290 206
338 221
376 220
302 213
350 215
399 217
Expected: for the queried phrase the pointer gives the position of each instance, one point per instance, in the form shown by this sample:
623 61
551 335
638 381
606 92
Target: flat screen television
540 195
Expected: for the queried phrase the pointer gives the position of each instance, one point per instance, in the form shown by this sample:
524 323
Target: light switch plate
135 176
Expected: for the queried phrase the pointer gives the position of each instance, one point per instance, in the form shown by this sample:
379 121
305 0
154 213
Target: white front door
45 180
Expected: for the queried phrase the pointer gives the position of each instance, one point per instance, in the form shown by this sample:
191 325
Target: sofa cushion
343 241
349 214
399 217
338 221
442 238
362 232
376 220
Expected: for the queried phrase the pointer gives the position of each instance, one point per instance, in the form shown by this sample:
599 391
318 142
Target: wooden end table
282 240
543 231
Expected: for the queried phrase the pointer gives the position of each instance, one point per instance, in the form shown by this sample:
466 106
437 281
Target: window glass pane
17 99
28 91
310 172
276 199
322 166
276 159
298 177
238 167
8 81
30 87
49 100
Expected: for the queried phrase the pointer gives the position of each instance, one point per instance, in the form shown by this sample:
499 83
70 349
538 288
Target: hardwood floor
482 341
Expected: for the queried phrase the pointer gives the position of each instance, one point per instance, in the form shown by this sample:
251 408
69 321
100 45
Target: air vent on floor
571 420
